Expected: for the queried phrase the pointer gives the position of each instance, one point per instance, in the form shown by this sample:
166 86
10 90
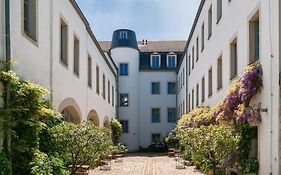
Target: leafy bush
81 144
43 165
209 145
29 118
4 164
116 129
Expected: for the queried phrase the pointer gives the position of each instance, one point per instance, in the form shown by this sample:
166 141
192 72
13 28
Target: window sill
210 35
219 88
218 20
31 39
253 60
65 65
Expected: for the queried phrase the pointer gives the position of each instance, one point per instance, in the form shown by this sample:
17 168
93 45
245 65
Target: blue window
155 88
125 126
171 88
123 68
155 61
155 115
171 61
171 115
124 100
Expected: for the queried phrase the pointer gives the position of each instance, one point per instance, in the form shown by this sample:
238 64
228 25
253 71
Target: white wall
2 30
182 99
40 61
219 43
129 84
149 101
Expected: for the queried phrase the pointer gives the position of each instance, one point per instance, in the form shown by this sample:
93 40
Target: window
233 59
197 48
254 40
155 88
155 61
192 57
63 42
155 115
189 102
197 95
189 65
124 69
103 86
183 108
210 85
202 37
183 79
210 22
76 55
171 88
125 126
123 35
98 80
108 91
219 10
219 73
171 61
155 138
203 90
192 102
89 71
30 18
124 100
172 115
113 96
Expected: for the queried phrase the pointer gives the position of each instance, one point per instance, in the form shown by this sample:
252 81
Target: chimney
142 42
145 43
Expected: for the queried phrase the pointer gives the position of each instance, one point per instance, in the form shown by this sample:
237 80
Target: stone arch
94 118
70 110
106 122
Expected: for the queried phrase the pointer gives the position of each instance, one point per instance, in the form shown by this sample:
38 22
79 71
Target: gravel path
146 164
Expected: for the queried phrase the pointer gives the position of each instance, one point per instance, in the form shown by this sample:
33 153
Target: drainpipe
51 52
7 88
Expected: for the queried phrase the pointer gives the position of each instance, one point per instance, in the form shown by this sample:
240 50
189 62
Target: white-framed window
155 61
30 18
123 35
171 60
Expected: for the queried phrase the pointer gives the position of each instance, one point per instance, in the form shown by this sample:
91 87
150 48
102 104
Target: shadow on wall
94 118
70 110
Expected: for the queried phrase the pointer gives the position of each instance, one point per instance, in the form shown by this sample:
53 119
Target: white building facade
226 37
52 45
147 86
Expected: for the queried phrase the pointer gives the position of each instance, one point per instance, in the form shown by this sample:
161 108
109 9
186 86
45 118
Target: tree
81 144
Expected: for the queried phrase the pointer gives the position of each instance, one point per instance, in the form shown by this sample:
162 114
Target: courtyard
146 164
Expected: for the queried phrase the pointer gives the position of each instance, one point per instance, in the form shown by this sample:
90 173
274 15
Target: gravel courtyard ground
146 164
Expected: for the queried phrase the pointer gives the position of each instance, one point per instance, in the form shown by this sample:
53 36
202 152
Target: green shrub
116 129
4 164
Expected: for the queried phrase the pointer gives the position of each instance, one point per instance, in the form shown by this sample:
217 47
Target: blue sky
150 19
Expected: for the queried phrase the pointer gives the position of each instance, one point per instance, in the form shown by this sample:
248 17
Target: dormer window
123 35
171 61
155 61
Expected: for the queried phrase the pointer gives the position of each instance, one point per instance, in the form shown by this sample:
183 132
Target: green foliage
116 129
208 146
43 165
119 148
28 117
81 144
4 164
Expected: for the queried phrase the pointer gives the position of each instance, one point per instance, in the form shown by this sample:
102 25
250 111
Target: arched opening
106 123
94 118
70 115
70 110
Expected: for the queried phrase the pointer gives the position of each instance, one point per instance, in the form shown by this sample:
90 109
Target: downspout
51 52
8 90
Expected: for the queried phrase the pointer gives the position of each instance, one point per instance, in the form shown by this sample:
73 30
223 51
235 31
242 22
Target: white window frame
167 59
159 58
